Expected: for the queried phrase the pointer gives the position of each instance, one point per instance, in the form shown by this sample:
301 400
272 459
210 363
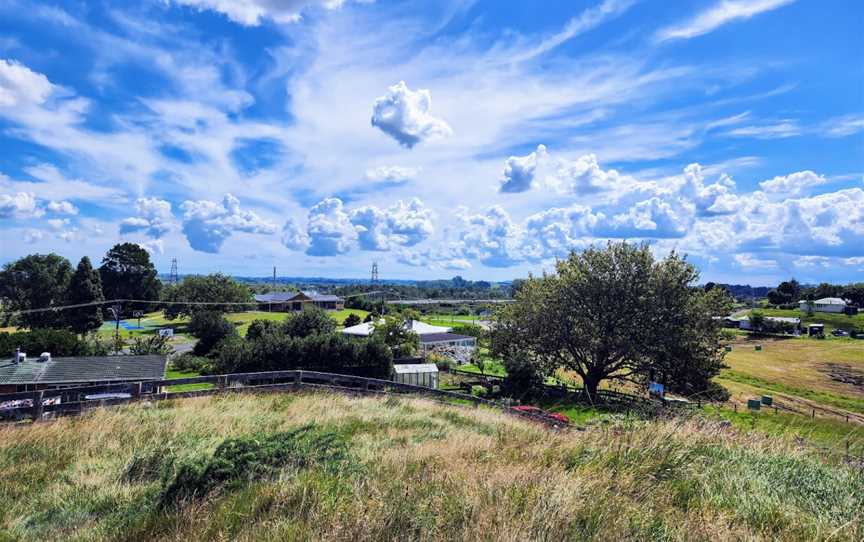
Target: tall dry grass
421 471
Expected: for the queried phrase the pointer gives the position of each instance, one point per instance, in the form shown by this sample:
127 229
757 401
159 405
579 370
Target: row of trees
790 292
615 313
39 281
307 340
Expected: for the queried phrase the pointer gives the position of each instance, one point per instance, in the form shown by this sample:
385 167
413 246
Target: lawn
171 374
153 321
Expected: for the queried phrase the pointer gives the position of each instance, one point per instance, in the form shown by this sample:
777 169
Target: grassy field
800 373
832 321
403 469
153 321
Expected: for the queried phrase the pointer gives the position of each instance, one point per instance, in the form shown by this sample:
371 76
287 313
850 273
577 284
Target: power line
154 302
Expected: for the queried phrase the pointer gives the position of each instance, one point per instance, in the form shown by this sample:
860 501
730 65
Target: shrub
58 342
259 327
309 322
154 344
209 327
189 362
523 379
325 352
352 320
244 459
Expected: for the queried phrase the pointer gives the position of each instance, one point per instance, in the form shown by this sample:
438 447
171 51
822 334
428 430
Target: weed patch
240 460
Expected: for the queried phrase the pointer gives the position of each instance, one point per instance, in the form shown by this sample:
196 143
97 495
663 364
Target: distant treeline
744 291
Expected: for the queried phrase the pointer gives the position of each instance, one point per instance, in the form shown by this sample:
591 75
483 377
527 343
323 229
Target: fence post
813 413
222 382
136 391
298 379
37 406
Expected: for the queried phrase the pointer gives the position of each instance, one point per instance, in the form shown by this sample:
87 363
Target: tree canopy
215 288
128 273
395 331
614 313
84 287
34 282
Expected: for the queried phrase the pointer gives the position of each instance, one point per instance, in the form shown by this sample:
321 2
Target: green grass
825 433
171 374
826 398
232 468
832 321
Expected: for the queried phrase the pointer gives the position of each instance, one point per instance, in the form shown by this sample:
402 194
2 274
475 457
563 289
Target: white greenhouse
416 374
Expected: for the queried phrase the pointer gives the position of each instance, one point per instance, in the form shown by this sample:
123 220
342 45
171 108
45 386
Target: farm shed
417 374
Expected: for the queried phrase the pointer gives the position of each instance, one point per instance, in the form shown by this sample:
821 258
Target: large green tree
215 288
34 282
614 313
128 273
84 287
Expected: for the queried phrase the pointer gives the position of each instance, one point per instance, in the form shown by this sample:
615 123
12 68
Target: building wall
820 307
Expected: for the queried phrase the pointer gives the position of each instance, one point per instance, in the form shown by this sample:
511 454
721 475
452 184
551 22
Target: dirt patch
844 374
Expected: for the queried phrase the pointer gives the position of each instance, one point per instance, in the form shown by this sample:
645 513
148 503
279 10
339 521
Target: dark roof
442 337
83 369
283 297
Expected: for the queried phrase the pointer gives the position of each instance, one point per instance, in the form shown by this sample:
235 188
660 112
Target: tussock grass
416 470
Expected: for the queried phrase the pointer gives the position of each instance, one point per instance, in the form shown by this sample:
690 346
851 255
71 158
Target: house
32 374
297 301
826 304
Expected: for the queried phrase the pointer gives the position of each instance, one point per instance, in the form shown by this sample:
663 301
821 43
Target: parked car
551 416
840 333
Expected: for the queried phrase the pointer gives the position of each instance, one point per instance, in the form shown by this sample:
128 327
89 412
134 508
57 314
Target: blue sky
480 138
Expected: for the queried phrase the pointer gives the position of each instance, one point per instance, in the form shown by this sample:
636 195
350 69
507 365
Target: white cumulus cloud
330 229
207 224
19 205
406 116
62 207
792 184
154 218
391 174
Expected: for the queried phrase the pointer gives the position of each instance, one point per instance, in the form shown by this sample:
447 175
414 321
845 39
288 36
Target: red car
561 418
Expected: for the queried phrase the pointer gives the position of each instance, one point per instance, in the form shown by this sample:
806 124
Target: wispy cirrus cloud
724 12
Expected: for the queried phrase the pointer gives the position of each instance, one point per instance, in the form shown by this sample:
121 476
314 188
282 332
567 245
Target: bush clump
189 362
244 459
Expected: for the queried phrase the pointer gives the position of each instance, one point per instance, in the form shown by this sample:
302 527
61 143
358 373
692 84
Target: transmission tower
374 273
172 277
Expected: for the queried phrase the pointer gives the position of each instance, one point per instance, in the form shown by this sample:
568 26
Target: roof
415 368
83 370
418 327
830 301
283 297
443 337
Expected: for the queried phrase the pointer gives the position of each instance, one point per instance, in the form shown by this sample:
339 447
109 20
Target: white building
420 328
826 304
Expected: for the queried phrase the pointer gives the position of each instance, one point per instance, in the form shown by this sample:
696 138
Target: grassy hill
330 467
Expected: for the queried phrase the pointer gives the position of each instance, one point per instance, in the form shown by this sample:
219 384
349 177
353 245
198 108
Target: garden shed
416 374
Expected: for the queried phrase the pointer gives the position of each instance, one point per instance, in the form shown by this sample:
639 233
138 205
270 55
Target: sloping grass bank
252 468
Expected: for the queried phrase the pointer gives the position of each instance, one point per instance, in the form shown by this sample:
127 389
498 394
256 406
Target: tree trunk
591 382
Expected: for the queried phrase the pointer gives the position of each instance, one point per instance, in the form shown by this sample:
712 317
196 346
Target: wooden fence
37 405
606 397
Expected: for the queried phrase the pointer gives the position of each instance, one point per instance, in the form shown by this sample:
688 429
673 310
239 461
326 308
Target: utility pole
270 303
116 312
